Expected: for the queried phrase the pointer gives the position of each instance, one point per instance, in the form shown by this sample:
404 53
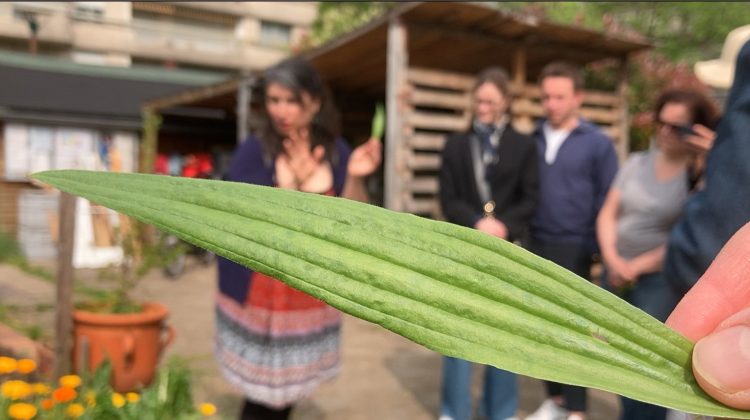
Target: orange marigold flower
207 409
64 394
16 390
75 410
25 366
41 389
21 411
47 404
117 399
132 397
70 381
7 365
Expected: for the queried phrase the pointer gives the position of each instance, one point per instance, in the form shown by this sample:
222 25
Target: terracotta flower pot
132 342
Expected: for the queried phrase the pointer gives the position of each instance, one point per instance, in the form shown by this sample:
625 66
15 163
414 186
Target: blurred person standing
275 343
713 214
644 202
488 181
577 163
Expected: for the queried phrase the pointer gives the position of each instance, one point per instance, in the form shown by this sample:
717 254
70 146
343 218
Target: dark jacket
573 187
722 207
513 184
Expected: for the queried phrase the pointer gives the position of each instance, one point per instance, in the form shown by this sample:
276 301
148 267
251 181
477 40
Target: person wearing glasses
488 181
644 202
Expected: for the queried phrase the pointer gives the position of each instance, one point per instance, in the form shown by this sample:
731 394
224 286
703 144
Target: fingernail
723 359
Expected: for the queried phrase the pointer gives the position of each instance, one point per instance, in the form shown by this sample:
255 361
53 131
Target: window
275 34
89 10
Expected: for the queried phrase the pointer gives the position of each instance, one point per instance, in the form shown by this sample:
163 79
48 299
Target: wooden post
64 311
623 144
244 96
519 67
523 121
396 67
151 123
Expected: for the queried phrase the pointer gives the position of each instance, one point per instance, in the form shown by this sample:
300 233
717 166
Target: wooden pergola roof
460 37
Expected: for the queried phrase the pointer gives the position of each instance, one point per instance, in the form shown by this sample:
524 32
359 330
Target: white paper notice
16 152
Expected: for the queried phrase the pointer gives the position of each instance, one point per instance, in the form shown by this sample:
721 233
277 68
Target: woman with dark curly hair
644 202
277 344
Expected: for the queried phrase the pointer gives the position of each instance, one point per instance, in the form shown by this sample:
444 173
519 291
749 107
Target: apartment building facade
76 75
222 36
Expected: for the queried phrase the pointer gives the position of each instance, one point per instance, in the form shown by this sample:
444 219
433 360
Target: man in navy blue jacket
577 163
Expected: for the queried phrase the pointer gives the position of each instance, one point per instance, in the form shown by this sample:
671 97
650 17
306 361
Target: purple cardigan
249 166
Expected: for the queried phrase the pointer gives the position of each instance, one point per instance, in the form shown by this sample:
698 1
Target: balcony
54 25
206 46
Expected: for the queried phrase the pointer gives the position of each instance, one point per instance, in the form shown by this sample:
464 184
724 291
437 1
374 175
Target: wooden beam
244 98
428 206
431 98
396 69
437 121
64 287
425 141
424 161
623 143
423 185
441 79
194 95
590 97
151 122
519 66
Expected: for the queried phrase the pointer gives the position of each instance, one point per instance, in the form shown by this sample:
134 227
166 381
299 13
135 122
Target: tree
681 31
337 18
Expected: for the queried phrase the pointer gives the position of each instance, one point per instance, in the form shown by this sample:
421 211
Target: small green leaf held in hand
378 122
452 289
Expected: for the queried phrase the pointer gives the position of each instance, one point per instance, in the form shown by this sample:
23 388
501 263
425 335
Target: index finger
720 293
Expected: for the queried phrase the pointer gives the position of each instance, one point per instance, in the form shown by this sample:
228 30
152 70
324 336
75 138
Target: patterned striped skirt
280 345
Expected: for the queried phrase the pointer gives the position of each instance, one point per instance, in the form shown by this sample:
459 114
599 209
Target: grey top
648 207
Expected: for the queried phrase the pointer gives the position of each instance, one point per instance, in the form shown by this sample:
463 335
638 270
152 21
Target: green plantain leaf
452 289
378 122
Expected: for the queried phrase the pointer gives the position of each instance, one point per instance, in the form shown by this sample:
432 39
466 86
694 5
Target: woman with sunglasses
644 203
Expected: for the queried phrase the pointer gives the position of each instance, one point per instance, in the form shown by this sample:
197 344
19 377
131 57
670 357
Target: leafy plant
91 397
143 250
449 288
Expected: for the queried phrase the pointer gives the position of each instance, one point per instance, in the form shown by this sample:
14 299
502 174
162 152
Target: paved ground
384 376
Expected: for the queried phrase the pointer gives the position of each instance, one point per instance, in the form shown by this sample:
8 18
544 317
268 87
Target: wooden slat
435 121
596 115
423 97
590 97
527 107
423 161
424 141
429 206
422 185
441 79
605 116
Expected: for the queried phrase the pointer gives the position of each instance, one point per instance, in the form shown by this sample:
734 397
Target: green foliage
378 122
9 249
337 18
681 31
452 289
168 397
143 250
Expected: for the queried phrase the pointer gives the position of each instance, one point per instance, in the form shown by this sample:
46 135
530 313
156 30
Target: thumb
721 361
